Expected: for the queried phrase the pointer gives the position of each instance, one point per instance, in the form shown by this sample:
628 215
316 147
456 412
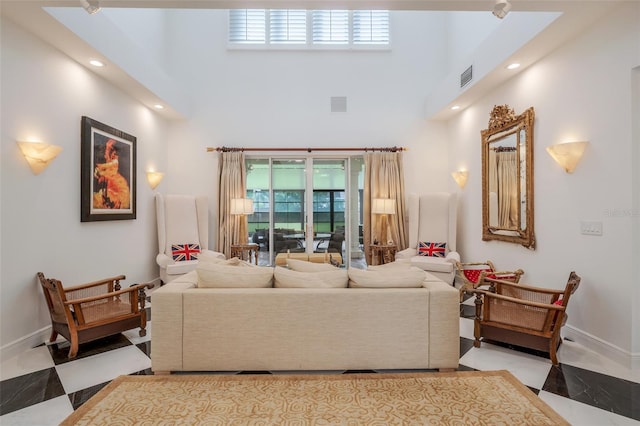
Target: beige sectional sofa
289 329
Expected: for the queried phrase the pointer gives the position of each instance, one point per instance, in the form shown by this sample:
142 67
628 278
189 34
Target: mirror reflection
507 177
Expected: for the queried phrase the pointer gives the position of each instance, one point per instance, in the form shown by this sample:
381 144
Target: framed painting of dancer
108 173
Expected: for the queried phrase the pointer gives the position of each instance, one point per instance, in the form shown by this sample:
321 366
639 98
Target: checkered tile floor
42 387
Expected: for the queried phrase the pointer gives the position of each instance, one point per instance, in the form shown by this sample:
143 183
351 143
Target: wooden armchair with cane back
94 310
470 274
522 315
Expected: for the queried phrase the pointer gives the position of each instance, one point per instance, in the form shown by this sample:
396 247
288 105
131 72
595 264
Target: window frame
309 44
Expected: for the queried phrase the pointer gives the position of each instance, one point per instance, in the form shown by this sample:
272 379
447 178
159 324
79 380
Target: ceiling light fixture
158 106
513 66
91 6
96 63
455 107
501 8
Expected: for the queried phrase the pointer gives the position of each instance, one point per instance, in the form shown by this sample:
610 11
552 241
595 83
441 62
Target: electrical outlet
591 228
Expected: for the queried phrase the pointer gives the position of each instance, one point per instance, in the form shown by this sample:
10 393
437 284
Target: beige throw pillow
287 278
242 275
386 278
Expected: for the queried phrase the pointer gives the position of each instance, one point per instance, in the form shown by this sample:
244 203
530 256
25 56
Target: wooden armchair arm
524 286
525 302
133 288
95 283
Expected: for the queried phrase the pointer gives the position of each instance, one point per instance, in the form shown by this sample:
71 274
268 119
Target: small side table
246 252
382 253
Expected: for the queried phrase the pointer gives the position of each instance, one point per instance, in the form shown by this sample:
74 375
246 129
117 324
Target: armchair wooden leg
73 351
54 336
142 332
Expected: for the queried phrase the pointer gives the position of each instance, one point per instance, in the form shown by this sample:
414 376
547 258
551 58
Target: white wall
465 32
281 98
579 92
44 95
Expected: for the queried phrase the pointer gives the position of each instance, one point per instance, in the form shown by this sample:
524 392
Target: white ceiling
153 86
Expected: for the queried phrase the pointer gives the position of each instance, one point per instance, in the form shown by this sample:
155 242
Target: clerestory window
308 28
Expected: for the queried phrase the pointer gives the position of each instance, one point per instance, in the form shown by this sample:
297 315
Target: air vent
338 104
466 76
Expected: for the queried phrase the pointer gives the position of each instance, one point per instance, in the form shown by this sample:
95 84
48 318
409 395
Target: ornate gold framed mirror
507 177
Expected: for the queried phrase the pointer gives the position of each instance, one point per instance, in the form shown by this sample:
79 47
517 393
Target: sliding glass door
306 205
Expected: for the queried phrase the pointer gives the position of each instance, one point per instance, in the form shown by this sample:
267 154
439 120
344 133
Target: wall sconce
568 154
460 177
384 207
39 154
154 179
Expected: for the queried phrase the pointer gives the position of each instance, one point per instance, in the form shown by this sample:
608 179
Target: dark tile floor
42 387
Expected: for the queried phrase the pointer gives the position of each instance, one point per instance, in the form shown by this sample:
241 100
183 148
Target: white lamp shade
383 206
241 206
568 154
39 154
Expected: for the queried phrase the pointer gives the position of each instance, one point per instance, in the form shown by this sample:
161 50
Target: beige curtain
384 178
507 177
493 188
232 229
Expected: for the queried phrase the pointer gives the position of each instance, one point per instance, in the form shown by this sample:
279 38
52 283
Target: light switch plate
591 228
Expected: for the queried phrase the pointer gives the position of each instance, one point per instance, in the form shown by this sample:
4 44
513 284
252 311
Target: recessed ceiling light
455 107
96 63
513 66
158 106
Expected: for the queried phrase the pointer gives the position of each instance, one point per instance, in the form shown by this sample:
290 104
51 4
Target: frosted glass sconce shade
568 154
460 177
39 154
154 179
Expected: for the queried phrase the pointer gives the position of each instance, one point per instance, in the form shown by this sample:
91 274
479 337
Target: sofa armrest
407 253
453 257
444 325
167 329
163 260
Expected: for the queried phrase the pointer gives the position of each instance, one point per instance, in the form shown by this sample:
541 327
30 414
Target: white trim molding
609 350
25 343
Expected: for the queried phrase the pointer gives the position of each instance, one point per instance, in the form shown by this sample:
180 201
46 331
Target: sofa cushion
426 248
391 265
396 277
184 252
225 275
287 278
304 266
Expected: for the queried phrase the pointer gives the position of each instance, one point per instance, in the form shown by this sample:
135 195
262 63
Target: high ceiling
152 86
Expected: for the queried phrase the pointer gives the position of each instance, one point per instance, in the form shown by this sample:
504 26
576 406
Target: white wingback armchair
432 218
182 219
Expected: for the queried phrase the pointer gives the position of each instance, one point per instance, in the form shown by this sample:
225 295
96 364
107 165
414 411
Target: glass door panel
329 206
297 211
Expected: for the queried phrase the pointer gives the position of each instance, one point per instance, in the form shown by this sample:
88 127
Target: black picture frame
107 172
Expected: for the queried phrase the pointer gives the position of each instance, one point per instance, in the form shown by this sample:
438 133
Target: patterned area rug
458 398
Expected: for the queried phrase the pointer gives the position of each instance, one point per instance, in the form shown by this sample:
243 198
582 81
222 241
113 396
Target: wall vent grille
466 76
338 104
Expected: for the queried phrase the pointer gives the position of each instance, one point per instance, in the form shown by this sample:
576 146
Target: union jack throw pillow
431 249
181 252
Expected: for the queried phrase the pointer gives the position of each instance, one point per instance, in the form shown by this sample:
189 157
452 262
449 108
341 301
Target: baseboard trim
25 343
599 346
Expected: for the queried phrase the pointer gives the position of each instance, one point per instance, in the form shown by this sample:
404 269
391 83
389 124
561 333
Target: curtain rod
383 149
